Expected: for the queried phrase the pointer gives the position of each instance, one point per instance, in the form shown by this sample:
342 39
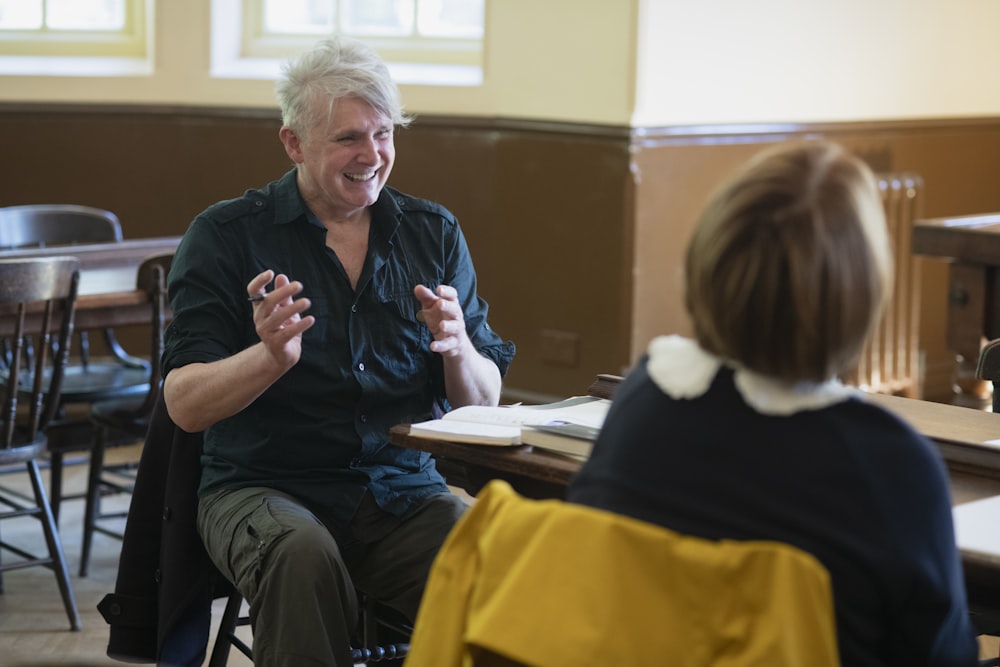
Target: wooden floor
34 629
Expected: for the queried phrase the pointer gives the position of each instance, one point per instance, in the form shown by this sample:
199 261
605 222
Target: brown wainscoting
578 231
676 169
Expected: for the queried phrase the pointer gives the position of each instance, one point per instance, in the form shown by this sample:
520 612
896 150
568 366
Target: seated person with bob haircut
746 433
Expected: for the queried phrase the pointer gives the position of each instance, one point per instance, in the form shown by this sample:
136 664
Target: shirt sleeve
462 276
208 298
930 620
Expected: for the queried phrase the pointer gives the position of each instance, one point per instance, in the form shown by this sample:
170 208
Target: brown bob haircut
789 267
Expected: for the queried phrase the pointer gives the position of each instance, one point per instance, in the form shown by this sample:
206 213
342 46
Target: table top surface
522 460
976 529
966 238
108 295
955 430
943 422
965 436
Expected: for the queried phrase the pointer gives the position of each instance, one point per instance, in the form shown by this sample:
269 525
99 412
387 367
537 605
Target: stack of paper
523 424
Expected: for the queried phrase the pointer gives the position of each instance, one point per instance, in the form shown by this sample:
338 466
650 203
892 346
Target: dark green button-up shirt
320 432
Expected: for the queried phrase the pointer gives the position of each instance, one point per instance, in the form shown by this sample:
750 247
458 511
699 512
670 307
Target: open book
511 424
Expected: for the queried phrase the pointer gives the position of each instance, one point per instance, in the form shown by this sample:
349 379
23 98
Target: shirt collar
682 369
289 206
287 202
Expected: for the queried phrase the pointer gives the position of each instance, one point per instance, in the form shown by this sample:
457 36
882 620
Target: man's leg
287 565
394 568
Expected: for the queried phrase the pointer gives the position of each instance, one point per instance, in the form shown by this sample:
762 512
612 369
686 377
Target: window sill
402 73
74 66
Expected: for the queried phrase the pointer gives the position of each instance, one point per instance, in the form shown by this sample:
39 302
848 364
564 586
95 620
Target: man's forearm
199 395
471 379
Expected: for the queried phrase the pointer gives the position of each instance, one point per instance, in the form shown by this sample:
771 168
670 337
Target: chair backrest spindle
35 295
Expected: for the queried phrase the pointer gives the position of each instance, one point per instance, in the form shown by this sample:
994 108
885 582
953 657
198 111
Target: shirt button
364 419
361 366
354 308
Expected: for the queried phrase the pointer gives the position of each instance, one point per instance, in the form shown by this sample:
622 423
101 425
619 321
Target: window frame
132 41
247 52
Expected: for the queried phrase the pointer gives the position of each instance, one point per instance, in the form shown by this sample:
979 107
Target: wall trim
648 136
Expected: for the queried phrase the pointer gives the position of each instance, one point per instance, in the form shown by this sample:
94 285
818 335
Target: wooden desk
971 244
108 296
959 432
976 529
533 472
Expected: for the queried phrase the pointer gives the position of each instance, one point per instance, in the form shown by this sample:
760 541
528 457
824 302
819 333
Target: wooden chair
605 589
376 623
86 379
984 615
41 291
129 414
160 610
988 368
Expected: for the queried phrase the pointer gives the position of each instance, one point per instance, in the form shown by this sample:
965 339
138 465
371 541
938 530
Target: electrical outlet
560 347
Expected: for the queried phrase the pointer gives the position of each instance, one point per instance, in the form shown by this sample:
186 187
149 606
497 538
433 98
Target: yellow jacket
553 584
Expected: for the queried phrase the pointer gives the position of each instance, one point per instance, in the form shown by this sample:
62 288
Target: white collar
681 369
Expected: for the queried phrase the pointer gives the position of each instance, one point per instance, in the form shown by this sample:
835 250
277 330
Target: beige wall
621 191
557 59
644 63
732 61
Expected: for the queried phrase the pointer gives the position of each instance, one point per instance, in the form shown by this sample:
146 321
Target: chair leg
93 498
226 635
381 642
55 546
55 483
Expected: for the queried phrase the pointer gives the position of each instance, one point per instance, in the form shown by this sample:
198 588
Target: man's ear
292 143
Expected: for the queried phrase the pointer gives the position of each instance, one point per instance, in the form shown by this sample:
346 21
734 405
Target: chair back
988 368
152 278
546 582
37 302
42 225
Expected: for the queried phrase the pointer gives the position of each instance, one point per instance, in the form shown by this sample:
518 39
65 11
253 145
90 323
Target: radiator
890 362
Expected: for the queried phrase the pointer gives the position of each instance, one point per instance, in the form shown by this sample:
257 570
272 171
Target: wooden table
108 295
533 472
960 433
971 244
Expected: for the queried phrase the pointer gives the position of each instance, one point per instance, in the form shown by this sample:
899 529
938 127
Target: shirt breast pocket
401 339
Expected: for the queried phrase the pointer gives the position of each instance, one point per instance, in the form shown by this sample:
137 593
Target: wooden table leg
967 304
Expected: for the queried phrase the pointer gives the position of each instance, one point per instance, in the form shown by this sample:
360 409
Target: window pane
377 17
298 16
85 14
20 14
450 18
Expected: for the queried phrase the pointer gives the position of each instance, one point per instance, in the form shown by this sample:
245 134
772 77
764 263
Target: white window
423 41
97 37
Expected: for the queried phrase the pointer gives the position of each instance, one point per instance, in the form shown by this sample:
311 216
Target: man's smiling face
344 161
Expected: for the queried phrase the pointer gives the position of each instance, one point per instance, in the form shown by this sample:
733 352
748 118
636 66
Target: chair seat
23 450
121 415
98 381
